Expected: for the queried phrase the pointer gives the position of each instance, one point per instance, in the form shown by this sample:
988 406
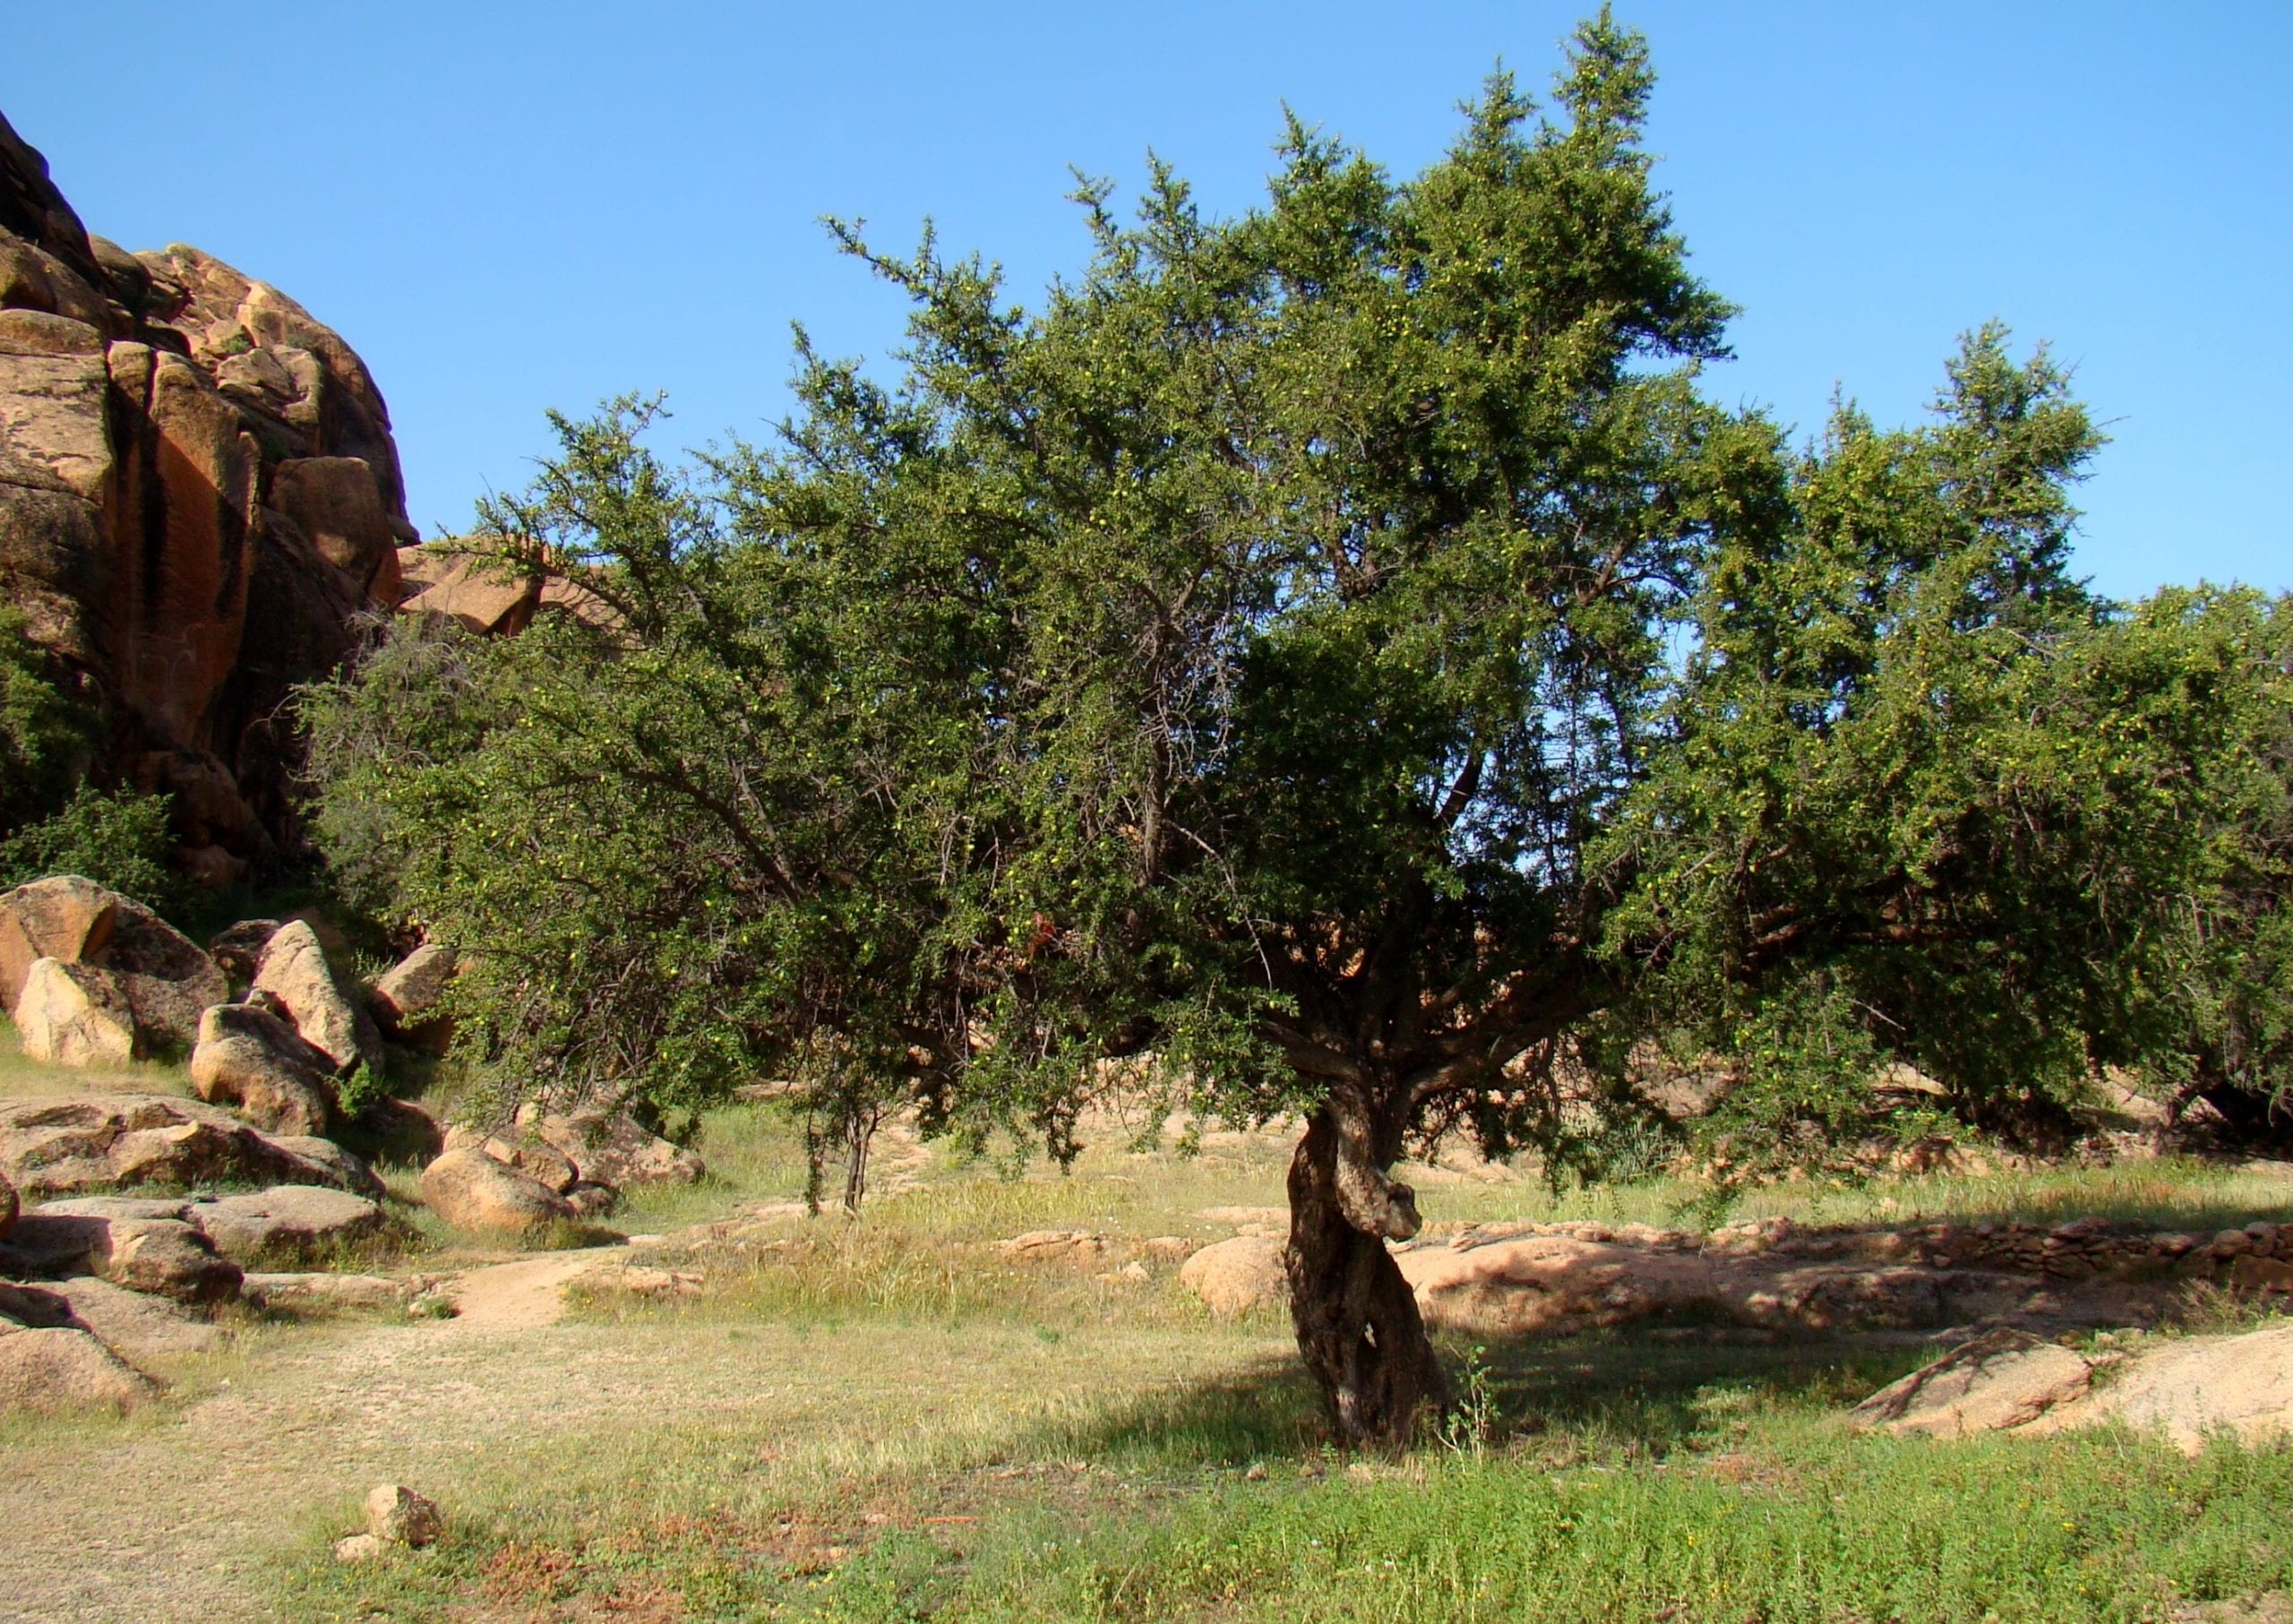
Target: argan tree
1334 650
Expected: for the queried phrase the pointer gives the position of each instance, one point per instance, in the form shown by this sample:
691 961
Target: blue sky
512 207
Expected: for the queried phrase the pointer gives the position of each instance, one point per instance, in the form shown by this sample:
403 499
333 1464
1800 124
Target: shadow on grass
1634 1392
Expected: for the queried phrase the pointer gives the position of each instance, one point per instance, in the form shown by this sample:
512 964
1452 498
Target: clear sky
508 207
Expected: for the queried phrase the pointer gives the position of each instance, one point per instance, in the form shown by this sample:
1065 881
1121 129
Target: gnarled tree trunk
1358 1326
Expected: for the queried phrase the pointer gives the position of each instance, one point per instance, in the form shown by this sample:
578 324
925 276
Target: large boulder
150 969
405 999
293 970
294 1221
330 1164
54 1147
519 1149
74 1015
134 1244
462 583
64 1368
236 947
611 1149
471 1190
249 1058
1237 1275
65 918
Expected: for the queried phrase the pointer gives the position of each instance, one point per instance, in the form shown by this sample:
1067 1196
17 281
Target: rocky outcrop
7 1208
198 491
115 967
1528 1279
2187 1388
63 1148
249 1058
471 1190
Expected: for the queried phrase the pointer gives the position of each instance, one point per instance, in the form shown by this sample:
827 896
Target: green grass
1640 1482
23 1078
960 1435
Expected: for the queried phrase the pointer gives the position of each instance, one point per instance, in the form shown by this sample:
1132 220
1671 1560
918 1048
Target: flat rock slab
135 1324
63 1148
2191 1388
66 1369
323 1292
294 1219
2005 1380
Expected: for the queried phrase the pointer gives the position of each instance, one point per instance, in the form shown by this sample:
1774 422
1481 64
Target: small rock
1168 1249
359 1548
397 1513
1043 1242
1234 1276
1135 1272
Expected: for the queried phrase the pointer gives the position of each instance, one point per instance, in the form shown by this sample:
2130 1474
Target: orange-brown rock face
197 491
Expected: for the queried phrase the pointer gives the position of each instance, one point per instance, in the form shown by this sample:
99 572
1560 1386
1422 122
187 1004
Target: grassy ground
956 1434
890 1419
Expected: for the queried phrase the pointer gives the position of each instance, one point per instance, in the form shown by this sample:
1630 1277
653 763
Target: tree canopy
1337 650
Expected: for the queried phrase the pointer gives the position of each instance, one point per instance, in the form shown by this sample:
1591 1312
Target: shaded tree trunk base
1359 1330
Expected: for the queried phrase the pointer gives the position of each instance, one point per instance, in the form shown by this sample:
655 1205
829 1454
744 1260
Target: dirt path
527 1294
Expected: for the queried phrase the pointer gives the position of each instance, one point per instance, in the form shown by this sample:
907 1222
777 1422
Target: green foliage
120 841
43 737
1335 650
52 819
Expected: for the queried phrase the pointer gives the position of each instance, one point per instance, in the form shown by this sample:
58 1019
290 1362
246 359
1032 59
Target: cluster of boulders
94 980
548 1167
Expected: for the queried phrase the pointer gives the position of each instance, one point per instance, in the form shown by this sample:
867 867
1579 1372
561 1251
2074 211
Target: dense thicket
1337 650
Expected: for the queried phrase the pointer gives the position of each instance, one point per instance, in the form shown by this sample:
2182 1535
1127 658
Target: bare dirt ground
173 1516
